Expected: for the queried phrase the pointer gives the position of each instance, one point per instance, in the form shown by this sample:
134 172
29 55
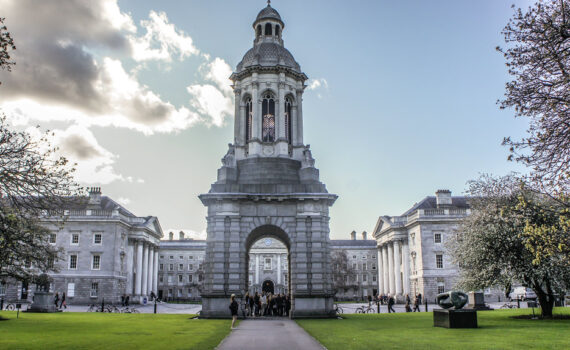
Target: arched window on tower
288 115
248 119
277 30
268 29
259 30
268 124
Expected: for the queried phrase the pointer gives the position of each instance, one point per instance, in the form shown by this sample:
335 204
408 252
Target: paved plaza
266 334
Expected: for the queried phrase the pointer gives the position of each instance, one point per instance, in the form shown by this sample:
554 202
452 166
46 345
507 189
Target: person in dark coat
391 303
251 306
417 303
56 300
234 309
63 303
279 302
127 300
257 303
287 305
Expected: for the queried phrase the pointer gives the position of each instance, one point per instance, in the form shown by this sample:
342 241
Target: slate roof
268 13
353 243
460 202
268 54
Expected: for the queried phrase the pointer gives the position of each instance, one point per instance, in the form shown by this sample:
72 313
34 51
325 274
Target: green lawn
73 330
415 331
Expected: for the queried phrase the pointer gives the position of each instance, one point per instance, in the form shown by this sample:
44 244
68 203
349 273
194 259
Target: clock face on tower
267 242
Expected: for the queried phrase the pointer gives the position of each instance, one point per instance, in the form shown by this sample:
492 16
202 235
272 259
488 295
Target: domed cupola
269 85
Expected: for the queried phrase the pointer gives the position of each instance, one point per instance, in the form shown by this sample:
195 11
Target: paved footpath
269 334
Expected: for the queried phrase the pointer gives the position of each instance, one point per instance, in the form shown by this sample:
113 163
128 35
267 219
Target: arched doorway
268 287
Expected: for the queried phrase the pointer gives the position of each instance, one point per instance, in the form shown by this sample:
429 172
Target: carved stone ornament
229 159
308 160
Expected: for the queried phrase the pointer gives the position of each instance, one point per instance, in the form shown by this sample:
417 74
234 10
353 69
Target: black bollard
378 306
154 305
2 304
518 303
426 304
103 305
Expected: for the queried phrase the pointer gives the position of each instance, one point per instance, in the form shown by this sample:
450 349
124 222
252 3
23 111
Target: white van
522 293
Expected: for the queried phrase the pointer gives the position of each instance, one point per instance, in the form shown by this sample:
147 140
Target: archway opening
268 286
268 272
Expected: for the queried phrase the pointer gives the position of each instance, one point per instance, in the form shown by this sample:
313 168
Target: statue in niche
449 299
229 159
308 160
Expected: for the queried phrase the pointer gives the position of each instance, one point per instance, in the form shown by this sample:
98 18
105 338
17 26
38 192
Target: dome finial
268 2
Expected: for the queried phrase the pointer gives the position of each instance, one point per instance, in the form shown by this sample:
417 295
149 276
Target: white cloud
209 100
317 83
94 163
161 40
219 71
123 201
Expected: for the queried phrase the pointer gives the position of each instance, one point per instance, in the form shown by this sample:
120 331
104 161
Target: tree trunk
546 303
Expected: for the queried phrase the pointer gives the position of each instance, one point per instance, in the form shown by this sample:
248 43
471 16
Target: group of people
60 302
390 301
266 304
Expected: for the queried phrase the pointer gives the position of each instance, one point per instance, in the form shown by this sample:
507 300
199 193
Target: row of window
354 278
437 238
181 257
97 238
181 278
180 293
95 262
365 256
180 267
268 31
268 119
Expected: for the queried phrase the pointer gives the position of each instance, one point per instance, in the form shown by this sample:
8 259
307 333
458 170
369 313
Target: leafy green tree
343 273
537 52
491 247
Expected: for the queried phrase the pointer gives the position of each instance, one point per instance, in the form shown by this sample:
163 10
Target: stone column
139 263
281 111
392 287
256 268
238 118
278 268
145 270
256 123
380 272
385 269
294 122
397 268
155 275
150 268
406 267
300 116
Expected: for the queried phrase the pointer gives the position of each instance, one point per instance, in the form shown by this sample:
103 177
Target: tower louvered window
268 123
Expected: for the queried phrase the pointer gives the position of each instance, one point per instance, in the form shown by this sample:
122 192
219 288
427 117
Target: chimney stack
181 235
443 198
171 236
353 235
94 195
364 235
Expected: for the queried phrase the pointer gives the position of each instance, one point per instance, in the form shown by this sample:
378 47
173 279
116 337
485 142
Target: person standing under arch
233 309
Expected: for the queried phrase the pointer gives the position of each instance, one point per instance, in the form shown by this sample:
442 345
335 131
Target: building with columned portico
411 247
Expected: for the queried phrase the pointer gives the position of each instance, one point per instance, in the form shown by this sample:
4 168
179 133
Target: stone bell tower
268 185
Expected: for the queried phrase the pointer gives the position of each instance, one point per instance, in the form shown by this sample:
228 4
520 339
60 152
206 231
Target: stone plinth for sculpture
456 317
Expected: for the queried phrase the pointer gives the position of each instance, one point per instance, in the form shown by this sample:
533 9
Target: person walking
417 303
127 300
251 306
63 303
256 301
247 310
56 300
391 303
263 304
233 309
287 305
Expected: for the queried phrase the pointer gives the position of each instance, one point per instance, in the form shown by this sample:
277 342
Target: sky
401 96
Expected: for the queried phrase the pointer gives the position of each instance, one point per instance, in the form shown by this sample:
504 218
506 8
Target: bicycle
129 310
508 306
365 310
